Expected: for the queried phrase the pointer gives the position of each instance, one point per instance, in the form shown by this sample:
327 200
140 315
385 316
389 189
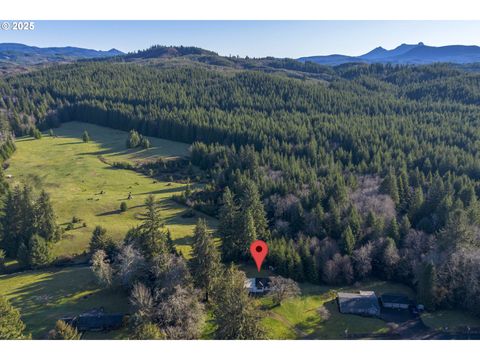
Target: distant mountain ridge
159 51
19 57
405 54
30 55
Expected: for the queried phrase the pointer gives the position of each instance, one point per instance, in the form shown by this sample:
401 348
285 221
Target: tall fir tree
11 325
12 223
348 240
405 226
247 233
426 286
394 230
250 200
99 240
45 221
234 313
153 240
354 221
390 186
205 262
457 232
39 252
228 225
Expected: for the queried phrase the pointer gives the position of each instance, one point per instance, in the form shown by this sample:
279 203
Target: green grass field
44 296
300 318
74 176
453 320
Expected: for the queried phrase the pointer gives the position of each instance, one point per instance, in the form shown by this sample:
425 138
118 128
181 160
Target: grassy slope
44 296
71 172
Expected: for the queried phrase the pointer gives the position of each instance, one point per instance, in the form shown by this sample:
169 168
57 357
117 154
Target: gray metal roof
363 302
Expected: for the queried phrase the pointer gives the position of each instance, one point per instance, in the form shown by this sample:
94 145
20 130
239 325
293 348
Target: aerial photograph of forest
171 187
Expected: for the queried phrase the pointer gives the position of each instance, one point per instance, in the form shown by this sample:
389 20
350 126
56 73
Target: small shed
395 301
359 303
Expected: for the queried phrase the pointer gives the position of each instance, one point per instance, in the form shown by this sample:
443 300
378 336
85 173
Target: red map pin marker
259 250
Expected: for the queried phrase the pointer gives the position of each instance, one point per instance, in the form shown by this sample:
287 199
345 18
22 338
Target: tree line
376 173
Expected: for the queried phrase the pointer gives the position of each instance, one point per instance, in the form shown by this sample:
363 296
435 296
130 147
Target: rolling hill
21 54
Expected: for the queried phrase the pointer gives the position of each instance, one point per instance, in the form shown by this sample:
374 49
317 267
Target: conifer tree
11 325
394 230
334 220
153 236
235 315
205 262
405 226
100 240
27 208
85 136
426 286
252 203
12 223
39 252
133 139
246 233
348 240
228 225
45 221
457 232
415 205
389 186
354 221
145 143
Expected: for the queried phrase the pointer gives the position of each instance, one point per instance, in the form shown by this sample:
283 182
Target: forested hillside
375 172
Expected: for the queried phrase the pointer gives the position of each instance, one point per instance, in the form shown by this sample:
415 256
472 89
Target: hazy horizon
249 38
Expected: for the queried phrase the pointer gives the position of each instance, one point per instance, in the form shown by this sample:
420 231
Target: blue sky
252 38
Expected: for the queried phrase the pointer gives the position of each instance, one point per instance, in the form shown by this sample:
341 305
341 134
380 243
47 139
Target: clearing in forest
82 186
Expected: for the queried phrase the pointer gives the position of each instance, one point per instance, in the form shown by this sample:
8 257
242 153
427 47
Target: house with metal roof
257 285
95 320
360 303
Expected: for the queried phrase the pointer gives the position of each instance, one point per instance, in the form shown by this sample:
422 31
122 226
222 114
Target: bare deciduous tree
102 268
130 265
142 301
282 289
367 197
180 314
169 271
362 260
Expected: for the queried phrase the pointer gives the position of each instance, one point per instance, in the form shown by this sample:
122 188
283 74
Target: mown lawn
74 176
300 318
44 296
450 320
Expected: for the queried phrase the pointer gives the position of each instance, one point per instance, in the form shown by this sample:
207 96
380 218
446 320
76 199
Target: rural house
257 285
95 320
359 303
